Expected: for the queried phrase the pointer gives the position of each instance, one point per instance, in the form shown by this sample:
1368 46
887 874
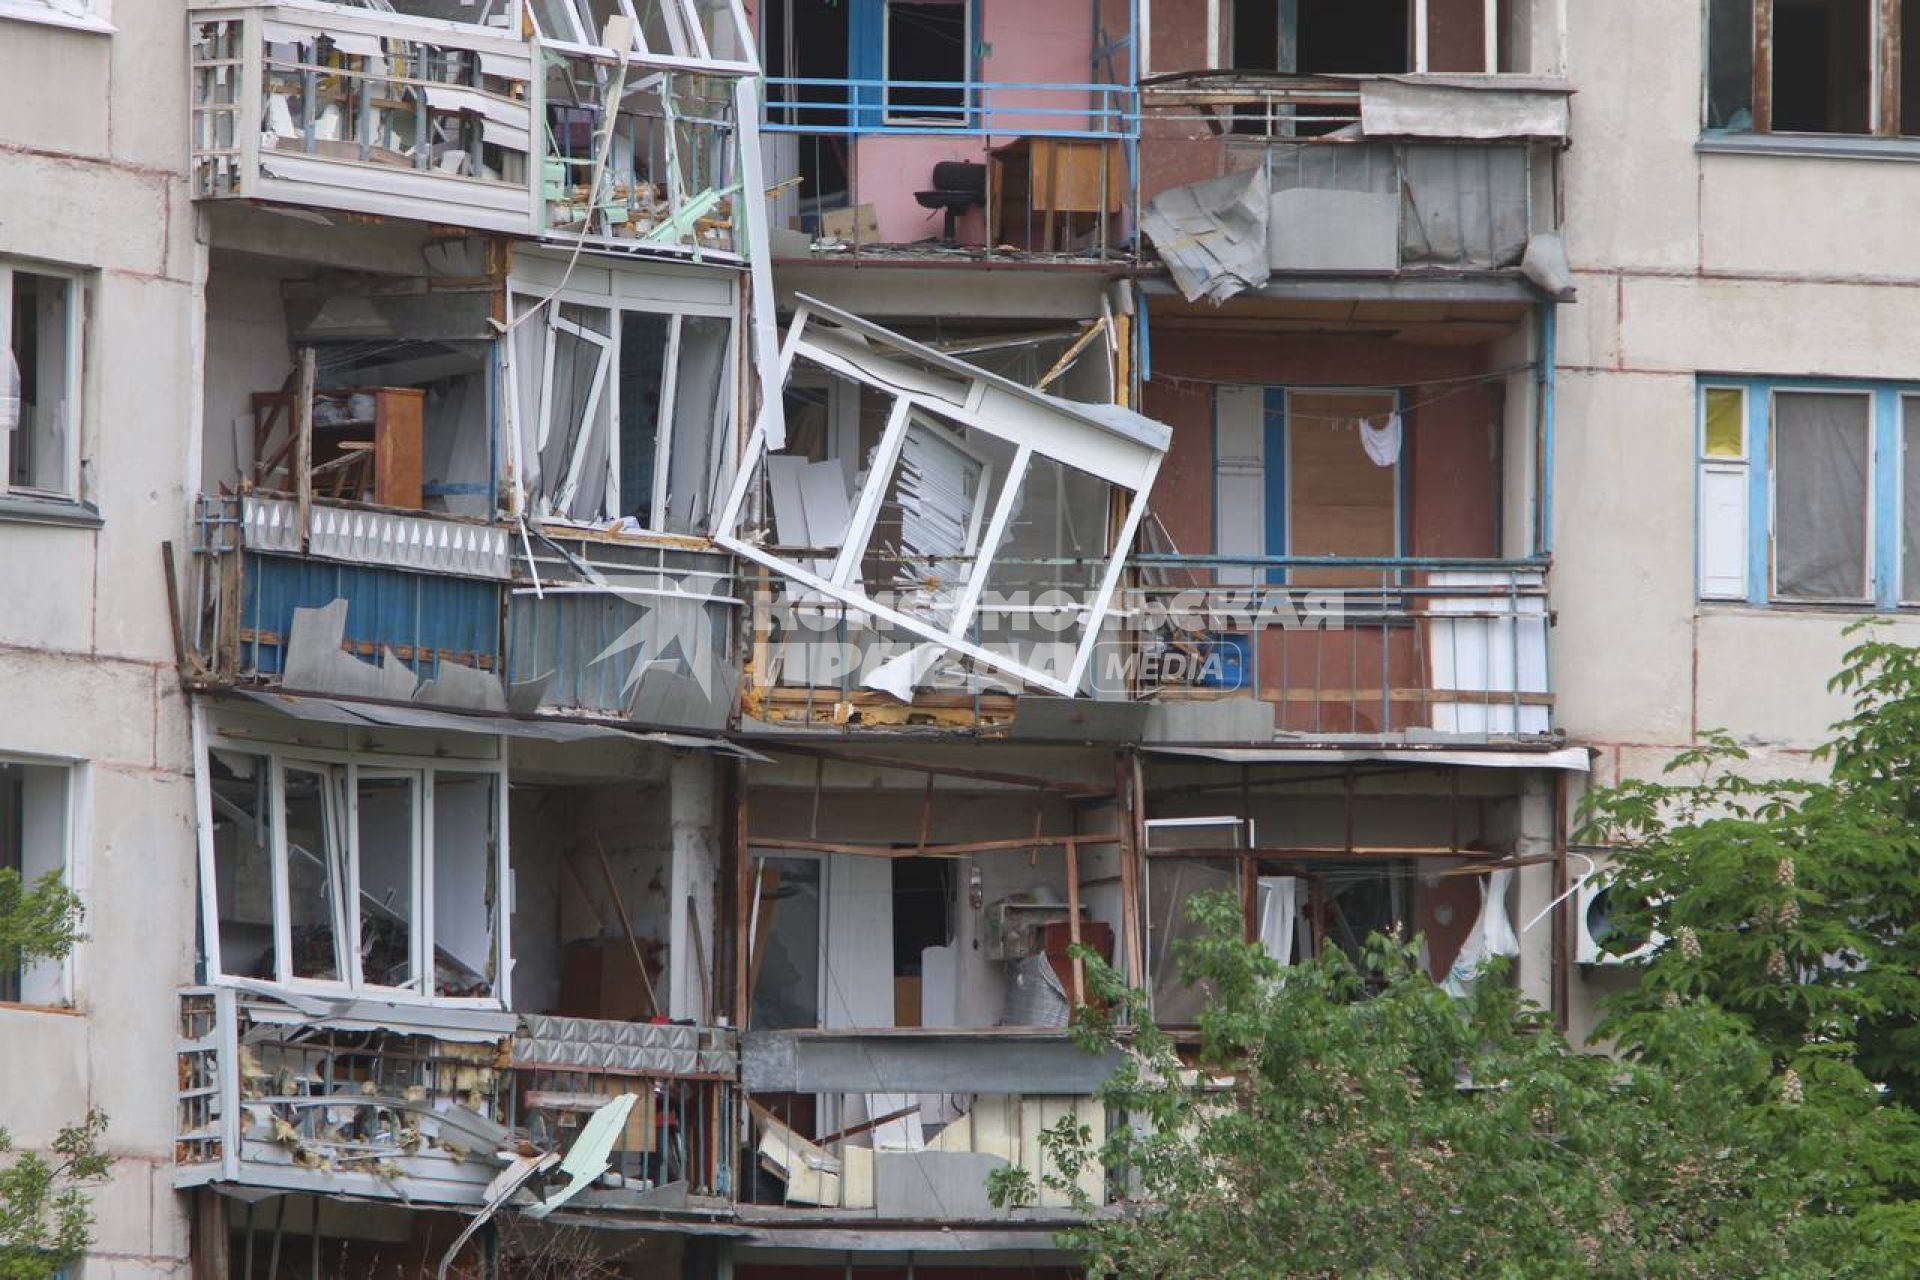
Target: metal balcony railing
1346 645
965 108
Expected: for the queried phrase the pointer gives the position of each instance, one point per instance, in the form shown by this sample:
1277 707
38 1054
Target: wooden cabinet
367 444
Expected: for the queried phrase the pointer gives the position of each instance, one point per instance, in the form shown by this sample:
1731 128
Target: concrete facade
95 182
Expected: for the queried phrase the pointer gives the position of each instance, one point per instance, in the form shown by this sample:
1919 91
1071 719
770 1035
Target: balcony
417 1105
909 1125
1370 176
461 125
416 596
1337 646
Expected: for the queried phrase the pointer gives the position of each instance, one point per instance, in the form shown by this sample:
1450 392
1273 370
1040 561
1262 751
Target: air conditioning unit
1597 941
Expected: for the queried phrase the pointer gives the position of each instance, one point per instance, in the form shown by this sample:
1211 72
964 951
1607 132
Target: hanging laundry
1382 442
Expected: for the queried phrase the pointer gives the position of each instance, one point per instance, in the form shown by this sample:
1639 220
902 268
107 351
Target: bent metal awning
356 714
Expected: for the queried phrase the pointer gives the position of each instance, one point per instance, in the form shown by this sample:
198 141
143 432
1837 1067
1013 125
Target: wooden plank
626 924
303 442
1073 923
1763 66
1887 108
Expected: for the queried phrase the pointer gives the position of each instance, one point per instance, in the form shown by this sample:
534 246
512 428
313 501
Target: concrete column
696 861
1534 889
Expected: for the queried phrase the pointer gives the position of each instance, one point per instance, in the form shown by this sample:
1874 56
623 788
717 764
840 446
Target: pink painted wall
1026 42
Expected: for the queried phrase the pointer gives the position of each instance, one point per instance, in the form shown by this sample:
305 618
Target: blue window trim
867 65
1884 492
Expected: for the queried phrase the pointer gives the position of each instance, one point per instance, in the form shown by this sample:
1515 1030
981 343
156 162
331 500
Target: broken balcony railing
910 1125
418 1104
1344 645
429 590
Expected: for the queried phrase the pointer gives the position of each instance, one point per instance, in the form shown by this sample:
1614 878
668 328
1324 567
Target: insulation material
1431 108
1212 235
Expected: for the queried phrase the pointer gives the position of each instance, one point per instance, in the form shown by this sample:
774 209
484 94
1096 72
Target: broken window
1812 66
622 406
34 827
1339 37
928 60
360 872
39 382
713 31
918 485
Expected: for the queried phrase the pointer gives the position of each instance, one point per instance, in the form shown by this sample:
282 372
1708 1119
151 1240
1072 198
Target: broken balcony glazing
906 487
401 115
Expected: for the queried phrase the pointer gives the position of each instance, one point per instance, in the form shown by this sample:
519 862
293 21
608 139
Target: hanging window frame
652 292
1120 448
342 768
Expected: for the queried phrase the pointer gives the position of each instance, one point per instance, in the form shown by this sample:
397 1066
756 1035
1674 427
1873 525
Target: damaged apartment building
720 538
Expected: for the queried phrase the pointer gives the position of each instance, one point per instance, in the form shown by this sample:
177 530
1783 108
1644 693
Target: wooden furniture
1047 179
366 444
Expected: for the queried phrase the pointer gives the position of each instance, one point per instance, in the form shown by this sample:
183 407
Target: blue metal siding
418 615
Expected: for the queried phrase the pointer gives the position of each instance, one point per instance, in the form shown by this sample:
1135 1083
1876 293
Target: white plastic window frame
341 768
70 865
606 373
75 339
1728 466
841 585
687 39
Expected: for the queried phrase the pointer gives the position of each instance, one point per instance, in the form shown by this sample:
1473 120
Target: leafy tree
1341 1121
1789 904
46 1222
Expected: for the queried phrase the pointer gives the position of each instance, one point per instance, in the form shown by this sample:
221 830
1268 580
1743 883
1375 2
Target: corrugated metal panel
380 537
590 643
421 617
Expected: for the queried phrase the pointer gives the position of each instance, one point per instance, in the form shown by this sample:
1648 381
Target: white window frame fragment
1124 451
612 291
686 38
341 770
12 406
1721 550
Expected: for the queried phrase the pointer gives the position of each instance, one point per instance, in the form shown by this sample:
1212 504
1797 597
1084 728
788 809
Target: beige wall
1690 263
92 147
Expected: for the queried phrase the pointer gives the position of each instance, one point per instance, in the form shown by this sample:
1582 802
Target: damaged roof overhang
363 715
1570 759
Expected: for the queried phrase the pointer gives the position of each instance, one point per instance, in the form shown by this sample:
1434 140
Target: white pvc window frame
993 406
687 42
627 292
74 340
340 770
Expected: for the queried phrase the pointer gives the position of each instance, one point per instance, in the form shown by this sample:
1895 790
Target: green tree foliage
1789 904
1340 1121
46 1221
